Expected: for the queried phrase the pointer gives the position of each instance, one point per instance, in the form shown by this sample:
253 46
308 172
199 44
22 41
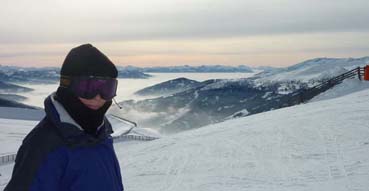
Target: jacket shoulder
36 146
44 132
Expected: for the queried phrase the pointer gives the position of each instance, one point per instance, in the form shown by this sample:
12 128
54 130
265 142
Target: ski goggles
90 86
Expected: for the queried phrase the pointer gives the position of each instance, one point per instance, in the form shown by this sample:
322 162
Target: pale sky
178 32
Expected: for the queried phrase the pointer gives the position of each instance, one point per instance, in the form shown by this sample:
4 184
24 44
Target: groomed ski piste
321 145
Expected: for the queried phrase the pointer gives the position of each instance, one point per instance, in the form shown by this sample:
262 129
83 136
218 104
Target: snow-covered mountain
10 103
217 100
9 97
169 87
193 69
12 88
210 101
314 69
31 75
308 73
13 97
265 68
127 72
50 74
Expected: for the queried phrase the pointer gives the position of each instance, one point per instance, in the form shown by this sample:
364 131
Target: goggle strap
65 81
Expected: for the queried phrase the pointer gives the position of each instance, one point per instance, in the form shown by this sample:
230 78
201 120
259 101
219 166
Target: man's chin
93 107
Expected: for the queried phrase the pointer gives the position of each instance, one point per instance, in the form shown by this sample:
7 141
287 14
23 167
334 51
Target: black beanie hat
86 60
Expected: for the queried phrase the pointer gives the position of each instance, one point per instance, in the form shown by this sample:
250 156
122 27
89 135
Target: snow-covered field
322 145
15 123
12 133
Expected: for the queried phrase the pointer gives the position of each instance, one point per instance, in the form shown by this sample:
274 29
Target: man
71 148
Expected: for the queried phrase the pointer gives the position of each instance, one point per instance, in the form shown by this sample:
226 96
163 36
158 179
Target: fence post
366 72
358 73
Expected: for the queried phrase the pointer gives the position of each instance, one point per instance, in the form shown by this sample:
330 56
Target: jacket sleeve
36 172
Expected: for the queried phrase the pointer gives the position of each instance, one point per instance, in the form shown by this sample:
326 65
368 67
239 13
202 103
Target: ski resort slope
322 146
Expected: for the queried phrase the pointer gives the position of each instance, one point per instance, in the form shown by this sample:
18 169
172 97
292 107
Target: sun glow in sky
178 32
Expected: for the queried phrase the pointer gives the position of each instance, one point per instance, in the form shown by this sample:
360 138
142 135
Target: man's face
95 103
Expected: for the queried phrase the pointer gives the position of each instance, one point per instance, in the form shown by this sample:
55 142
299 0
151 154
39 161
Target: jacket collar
70 130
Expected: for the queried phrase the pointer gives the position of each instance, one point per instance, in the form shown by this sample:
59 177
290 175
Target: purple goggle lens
89 87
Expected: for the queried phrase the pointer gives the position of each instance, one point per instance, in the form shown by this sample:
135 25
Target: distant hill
169 87
9 97
9 103
12 97
125 73
12 88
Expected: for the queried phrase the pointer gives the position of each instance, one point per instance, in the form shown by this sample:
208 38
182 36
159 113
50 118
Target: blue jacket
57 155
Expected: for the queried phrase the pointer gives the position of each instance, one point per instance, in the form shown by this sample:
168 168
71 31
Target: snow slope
316 146
314 69
15 123
12 132
348 86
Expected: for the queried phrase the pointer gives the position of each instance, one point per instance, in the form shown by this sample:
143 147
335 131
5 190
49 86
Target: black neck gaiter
87 118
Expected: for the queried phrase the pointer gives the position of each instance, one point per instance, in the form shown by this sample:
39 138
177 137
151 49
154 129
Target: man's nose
98 98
